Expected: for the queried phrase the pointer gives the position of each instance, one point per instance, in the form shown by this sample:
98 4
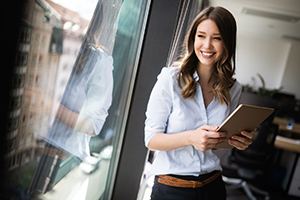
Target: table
291 145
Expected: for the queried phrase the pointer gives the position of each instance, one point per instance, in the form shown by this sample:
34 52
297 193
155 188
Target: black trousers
215 190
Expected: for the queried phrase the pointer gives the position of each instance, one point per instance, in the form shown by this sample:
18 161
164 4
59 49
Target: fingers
216 140
207 138
241 142
210 131
209 146
217 134
247 134
209 128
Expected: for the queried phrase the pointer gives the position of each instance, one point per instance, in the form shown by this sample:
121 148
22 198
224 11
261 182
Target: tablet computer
244 117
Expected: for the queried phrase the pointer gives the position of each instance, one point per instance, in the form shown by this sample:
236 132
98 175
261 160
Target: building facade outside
47 48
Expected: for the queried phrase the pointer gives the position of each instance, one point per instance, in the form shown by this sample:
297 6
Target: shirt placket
204 117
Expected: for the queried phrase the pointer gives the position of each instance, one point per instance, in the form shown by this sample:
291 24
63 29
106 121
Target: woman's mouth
207 54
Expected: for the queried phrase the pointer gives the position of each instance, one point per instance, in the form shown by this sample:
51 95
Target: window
21 143
26 100
18 81
10 146
102 72
43 40
15 103
14 162
25 35
28 35
40 60
32 98
36 38
36 79
30 79
24 119
33 57
21 59
28 139
31 117
12 124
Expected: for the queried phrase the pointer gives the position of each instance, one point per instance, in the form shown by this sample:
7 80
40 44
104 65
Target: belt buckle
197 184
194 183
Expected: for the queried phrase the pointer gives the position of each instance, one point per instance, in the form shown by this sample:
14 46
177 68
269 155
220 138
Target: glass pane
187 11
68 116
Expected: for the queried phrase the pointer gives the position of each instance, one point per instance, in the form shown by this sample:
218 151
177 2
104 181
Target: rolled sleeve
159 104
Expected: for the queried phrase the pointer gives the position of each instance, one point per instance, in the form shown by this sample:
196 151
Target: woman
187 104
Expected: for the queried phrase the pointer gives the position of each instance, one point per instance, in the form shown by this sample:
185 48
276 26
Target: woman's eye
201 36
217 38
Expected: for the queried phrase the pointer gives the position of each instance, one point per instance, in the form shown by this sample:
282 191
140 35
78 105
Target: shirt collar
196 76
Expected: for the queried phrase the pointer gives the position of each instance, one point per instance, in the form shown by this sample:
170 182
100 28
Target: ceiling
265 18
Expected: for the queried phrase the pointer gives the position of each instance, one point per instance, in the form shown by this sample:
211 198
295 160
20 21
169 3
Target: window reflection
86 98
69 97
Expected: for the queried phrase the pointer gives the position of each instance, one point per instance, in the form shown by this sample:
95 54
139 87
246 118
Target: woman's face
208 45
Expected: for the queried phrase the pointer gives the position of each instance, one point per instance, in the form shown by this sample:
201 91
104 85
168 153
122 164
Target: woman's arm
94 110
203 139
74 120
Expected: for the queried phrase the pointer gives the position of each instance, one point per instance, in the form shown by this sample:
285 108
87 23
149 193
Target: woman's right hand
205 137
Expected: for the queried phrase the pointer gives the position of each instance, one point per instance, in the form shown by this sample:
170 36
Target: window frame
161 22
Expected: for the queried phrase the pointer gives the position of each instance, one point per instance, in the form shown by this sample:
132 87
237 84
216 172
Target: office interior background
43 41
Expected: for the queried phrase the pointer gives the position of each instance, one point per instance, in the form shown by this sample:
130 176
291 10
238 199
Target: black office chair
252 164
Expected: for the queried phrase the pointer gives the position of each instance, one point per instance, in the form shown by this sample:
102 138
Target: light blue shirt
89 93
169 113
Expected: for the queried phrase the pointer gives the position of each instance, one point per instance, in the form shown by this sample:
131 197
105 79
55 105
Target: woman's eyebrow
202 32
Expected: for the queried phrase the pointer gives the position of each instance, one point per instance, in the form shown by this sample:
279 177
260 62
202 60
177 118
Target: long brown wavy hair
224 68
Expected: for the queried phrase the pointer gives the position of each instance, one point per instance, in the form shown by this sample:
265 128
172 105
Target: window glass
66 134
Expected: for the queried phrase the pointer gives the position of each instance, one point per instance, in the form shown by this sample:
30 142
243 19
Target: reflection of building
49 39
34 78
74 28
14 155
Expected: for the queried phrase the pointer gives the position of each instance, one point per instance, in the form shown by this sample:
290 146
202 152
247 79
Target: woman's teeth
207 54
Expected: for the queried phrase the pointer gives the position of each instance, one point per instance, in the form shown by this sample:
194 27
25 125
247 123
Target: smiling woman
186 105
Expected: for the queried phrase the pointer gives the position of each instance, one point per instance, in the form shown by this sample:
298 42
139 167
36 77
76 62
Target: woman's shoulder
236 88
169 72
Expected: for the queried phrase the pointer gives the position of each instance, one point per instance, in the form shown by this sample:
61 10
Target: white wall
291 75
276 60
260 48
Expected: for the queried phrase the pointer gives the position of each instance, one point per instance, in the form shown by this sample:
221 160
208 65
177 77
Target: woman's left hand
241 142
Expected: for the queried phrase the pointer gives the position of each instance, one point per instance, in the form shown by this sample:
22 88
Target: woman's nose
207 43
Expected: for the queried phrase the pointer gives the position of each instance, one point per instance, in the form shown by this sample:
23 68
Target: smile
207 54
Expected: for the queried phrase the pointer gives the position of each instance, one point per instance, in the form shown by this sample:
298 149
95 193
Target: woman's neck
205 74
